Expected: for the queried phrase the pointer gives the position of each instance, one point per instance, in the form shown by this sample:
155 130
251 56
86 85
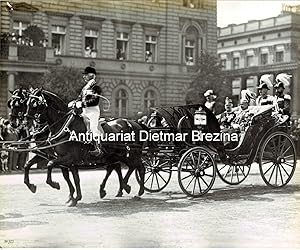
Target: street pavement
248 215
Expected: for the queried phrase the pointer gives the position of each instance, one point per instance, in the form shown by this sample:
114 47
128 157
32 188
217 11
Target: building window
58 39
223 63
222 44
264 59
190 52
236 86
19 27
279 34
122 103
249 39
90 44
279 56
150 99
122 45
235 42
249 61
151 48
236 63
193 3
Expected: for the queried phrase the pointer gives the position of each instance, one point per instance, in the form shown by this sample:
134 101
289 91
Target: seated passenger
264 86
227 116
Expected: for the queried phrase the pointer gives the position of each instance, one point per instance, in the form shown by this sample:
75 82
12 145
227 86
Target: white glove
78 104
235 126
71 104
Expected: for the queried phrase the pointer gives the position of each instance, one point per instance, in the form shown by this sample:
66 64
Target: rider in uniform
283 100
210 100
88 100
264 85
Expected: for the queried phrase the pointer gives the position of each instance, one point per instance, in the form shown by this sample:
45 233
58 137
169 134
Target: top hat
89 70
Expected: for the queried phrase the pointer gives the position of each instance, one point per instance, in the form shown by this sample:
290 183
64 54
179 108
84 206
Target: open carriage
264 141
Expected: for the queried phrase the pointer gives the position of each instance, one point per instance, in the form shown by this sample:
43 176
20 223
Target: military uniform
265 100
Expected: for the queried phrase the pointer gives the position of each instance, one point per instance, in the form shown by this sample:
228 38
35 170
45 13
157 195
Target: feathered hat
246 95
265 82
210 92
282 80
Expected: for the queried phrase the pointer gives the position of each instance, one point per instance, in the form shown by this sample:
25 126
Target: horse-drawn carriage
264 141
197 161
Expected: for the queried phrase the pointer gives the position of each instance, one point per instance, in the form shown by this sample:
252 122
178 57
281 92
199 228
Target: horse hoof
136 198
102 194
127 188
120 194
141 192
70 198
32 188
73 203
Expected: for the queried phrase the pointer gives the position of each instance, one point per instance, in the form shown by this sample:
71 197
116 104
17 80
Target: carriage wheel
157 172
233 174
196 172
277 161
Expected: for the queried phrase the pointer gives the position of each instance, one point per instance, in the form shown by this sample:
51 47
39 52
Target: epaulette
287 97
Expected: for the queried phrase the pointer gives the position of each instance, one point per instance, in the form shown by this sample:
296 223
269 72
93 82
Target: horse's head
36 106
17 104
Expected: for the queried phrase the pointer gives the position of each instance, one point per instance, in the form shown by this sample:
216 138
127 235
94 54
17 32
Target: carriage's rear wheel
233 174
158 171
277 161
196 172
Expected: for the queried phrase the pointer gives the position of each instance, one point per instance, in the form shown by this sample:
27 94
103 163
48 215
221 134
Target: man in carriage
265 84
210 100
226 118
283 100
88 101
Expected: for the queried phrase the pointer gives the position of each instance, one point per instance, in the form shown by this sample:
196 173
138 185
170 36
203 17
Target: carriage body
264 141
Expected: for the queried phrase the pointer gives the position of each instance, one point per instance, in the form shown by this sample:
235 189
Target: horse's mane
54 100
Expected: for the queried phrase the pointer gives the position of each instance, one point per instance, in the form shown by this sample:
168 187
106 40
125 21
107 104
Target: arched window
191 46
150 99
122 103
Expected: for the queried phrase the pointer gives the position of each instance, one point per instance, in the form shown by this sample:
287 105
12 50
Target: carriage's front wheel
233 174
158 172
277 161
196 172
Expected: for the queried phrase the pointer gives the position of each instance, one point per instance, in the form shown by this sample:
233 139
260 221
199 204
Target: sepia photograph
149 124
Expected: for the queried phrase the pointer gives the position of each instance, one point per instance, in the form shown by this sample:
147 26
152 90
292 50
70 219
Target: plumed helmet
246 95
89 70
210 92
282 80
265 82
228 100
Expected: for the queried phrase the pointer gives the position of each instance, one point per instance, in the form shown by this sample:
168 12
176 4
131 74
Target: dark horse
44 106
18 105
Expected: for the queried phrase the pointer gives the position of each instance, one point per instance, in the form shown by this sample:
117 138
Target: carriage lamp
200 118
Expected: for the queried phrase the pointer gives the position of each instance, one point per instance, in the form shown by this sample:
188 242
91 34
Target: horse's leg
27 167
77 185
51 164
121 181
65 172
126 178
141 170
102 191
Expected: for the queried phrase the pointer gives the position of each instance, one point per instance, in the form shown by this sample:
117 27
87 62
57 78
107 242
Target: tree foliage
66 82
208 75
35 33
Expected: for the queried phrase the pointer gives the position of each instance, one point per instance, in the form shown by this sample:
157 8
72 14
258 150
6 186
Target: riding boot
98 152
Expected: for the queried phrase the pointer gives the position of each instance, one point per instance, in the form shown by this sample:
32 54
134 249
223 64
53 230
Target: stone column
11 84
295 92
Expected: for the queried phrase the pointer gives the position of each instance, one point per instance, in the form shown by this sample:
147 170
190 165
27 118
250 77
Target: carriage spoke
284 170
157 181
148 177
222 167
193 159
190 182
194 185
186 177
162 177
278 145
204 181
288 164
269 169
272 173
280 175
242 170
152 181
286 150
237 175
276 175
224 176
209 175
232 173
281 151
199 185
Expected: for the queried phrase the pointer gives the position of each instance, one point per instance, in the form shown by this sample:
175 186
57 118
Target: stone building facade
143 50
269 46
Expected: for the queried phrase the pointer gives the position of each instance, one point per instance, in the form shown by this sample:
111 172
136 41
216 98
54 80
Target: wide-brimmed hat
265 82
282 80
89 70
210 92
246 95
